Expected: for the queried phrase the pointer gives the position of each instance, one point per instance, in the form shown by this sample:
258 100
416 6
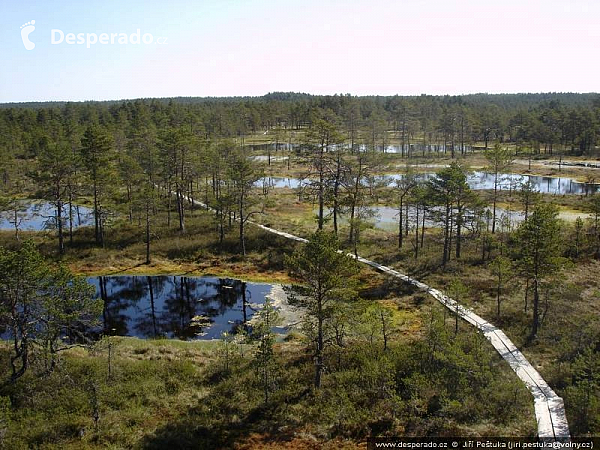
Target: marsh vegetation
492 198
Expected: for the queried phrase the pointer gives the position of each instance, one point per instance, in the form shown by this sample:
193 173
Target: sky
252 47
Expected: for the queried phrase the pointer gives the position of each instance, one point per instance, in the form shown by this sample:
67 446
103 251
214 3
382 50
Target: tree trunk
319 352
129 203
400 223
526 295
169 194
321 199
406 217
147 233
321 186
242 220
180 208
352 212
61 245
101 229
384 332
423 226
458 229
498 290
336 188
96 216
446 234
417 231
70 216
494 203
536 309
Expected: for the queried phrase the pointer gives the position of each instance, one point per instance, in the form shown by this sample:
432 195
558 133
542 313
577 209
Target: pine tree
41 304
55 165
326 273
449 188
499 160
538 250
243 175
320 138
594 208
264 358
97 158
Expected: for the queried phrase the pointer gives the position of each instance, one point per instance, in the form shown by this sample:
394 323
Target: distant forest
545 122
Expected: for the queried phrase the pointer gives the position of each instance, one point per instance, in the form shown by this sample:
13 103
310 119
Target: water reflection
513 181
41 215
415 148
266 158
274 147
175 306
408 148
476 180
280 182
386 217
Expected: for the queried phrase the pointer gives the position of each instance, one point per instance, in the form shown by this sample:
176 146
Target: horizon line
339 94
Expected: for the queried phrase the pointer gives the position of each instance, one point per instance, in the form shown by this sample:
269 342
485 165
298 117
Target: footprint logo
26 30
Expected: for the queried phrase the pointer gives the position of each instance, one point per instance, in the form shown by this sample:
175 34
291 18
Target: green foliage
501 267
326 272
538 251
264 357
5 417
227 356
538 242
458 292
68 308
56 165
449 188
499 159
594 207
583 396
243 174
528 196
97 158
456 381
42 305
429 386
167 150
78 407
378 324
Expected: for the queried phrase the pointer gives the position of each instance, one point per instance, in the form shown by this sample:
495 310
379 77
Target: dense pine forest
494 199
541 120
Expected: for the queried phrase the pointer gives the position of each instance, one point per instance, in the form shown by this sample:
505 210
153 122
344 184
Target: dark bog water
41 215
176 306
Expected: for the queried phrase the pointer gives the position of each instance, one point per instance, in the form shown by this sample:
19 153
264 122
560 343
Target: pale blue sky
229 47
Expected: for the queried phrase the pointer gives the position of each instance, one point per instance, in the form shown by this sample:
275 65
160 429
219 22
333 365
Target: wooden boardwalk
549 408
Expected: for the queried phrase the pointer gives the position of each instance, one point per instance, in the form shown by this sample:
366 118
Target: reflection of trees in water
121 293
172 306
179 307
192 297
246 297
230 292
118 294
148 323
